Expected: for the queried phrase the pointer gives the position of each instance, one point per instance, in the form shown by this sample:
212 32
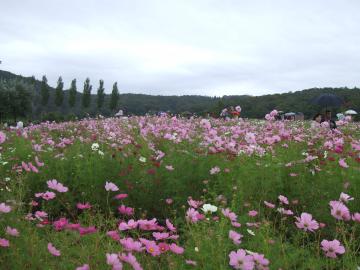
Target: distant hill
139 104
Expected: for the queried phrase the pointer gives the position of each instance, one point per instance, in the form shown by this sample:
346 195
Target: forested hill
139 104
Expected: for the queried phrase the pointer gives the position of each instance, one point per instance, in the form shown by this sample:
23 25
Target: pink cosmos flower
269 205
331 248
356 217
73 226
339 211
109 186
83 267
235 237
170 226
345 198
176 249
152 248
55 185
169 167
126 210
194 204
38 162
261 263
48 195
306 222
169 201
121 196
87 230
83 206
343 163
230 215
114 235
239 260
33 168
191 262
160 236
215 170
148 225
53 250
113 260
40 214
4 208
163 247
131 224
252 213
283 199
2 137
130 245
12 231
25 166
60 224
4 242
193 216
283 211
130 259
235 224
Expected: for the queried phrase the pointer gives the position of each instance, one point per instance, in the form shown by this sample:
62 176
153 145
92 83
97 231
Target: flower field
176 193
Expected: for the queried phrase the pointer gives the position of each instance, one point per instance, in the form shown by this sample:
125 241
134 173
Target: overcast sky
213 47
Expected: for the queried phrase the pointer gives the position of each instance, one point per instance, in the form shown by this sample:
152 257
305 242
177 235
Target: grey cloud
185 47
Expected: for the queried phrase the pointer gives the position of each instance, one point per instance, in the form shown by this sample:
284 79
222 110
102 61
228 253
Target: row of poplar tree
86 95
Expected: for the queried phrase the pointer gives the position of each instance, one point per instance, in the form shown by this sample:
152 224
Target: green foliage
72 93
59 94
86 97
114 98
44 91
15 99
100 94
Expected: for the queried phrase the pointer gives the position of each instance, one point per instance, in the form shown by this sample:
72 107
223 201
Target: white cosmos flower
209 208
95 146
142 159
251 232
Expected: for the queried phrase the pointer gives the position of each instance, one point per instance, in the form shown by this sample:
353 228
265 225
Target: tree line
86 94
20 96
36 100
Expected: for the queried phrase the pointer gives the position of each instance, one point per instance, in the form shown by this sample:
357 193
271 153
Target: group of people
231 112
321 118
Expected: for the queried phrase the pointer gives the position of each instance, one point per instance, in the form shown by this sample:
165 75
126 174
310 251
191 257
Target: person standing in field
327 118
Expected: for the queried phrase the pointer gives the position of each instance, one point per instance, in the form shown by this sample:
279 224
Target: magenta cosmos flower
83 206
4 242
331 248
306 222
